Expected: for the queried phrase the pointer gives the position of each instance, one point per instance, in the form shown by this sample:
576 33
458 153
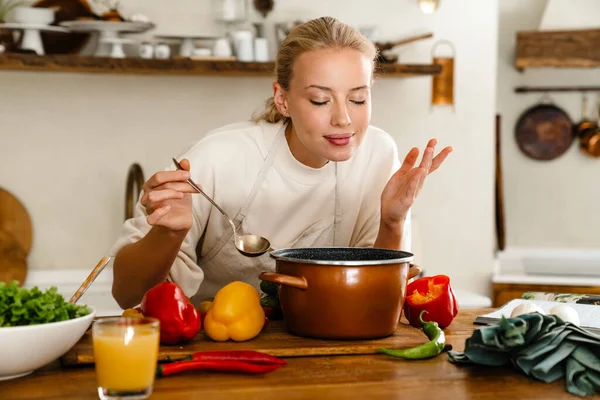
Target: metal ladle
248 245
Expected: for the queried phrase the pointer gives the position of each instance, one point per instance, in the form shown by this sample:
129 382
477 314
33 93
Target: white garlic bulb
566 313
526 308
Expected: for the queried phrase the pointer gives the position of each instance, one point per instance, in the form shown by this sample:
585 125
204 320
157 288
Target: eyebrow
331 90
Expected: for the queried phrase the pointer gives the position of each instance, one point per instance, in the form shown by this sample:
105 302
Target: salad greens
21 306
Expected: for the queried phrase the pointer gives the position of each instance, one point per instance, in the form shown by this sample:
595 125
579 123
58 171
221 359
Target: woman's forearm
390 235
141 265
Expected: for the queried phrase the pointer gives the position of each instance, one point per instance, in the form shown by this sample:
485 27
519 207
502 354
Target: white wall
548 204
570 14
68 139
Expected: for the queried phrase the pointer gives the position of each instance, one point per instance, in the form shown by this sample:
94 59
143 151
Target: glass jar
229 11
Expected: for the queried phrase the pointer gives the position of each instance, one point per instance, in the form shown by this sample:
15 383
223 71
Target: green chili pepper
437 341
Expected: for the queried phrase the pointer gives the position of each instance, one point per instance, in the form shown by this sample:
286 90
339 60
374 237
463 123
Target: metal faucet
133 189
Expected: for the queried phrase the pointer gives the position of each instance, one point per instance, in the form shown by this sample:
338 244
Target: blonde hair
316 34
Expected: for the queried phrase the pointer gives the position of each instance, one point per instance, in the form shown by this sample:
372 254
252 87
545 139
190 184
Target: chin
340 156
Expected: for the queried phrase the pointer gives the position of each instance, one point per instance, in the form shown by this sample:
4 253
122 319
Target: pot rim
406 258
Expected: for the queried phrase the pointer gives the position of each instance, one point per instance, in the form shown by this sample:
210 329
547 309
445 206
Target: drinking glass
125 354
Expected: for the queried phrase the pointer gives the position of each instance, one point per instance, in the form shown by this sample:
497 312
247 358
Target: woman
309 171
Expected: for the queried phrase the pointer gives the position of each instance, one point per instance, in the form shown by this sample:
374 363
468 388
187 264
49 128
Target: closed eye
360 103
318 103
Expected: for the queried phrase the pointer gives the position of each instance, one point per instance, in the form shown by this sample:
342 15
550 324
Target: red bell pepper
433 294
179 320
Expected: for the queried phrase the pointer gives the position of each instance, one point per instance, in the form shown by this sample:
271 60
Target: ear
280 99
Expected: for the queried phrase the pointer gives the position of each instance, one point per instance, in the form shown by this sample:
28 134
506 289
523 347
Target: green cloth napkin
543 347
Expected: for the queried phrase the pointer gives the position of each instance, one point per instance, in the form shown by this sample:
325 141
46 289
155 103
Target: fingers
439 159
185 164
157 196
153 218
163 177
428 155
427 158
182 187
409 161
415 181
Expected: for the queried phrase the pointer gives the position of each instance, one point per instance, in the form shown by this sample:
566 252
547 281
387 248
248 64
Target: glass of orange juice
125 353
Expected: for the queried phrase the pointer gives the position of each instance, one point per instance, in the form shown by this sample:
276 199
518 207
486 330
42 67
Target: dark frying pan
544 132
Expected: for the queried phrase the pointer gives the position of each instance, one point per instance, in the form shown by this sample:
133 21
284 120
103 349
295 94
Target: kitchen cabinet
504 292
174 66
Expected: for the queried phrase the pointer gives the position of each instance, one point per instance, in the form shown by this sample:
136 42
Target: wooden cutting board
13 260
15 238
275 340
15 220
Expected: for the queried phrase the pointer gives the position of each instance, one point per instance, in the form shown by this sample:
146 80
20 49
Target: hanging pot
585 122
544 132
589 134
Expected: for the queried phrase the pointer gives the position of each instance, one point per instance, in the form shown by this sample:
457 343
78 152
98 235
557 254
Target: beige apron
223 263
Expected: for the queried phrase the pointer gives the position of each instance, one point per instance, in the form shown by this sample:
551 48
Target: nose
340 115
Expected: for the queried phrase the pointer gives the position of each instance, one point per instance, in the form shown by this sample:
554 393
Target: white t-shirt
292 198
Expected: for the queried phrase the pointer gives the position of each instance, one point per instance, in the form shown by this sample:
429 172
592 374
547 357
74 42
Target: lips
339 139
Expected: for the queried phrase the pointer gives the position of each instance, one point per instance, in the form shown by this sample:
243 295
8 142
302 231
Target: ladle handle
197 188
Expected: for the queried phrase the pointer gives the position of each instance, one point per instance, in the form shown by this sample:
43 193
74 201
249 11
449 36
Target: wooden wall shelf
561 49
86 64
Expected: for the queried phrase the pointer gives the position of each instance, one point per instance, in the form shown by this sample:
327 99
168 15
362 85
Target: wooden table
371 376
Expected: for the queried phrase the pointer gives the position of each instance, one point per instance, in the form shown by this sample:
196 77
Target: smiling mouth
340 139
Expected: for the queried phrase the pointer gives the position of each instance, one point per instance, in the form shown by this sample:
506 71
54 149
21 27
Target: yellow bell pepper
235 313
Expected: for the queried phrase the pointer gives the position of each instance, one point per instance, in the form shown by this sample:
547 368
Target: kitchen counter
371 376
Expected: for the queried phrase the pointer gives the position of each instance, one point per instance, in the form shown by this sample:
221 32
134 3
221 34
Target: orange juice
126 354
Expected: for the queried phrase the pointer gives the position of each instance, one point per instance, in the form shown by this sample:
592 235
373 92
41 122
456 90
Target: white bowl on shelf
33 15
27 348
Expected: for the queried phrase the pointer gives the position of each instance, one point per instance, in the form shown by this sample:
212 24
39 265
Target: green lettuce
21 306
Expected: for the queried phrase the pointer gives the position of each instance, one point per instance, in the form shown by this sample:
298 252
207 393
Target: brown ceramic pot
341 292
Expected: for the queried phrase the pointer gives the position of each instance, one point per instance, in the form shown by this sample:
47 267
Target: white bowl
24 349
33 15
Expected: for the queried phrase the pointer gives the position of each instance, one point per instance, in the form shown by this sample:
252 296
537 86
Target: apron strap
255 188
337 212
261 175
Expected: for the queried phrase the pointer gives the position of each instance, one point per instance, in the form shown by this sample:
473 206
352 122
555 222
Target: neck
300 151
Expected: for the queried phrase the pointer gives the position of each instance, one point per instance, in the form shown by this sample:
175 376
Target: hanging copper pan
589 134
544 132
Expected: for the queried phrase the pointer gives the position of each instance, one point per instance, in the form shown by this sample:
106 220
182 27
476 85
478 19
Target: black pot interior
341 254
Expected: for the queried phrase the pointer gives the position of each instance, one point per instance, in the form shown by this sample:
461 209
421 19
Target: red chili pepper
219 366
433 294
179 320
249 356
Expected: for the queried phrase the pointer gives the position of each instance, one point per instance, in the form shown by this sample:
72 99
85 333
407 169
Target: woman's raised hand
167 199
405 185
